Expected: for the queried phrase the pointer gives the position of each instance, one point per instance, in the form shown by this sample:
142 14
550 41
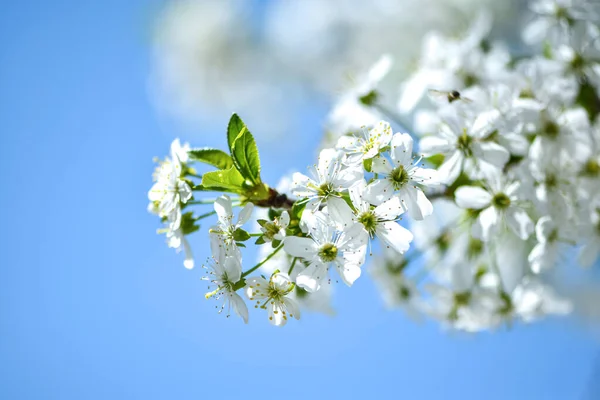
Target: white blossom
330 177
325 246
367 144
272 295
500 205
170 191
222 234
400 178
225 271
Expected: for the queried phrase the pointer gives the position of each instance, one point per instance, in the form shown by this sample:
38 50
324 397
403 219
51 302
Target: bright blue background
93 305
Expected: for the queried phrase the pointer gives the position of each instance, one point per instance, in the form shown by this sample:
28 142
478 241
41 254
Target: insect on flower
450 96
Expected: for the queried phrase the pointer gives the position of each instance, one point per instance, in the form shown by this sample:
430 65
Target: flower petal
395 236
472 197
300 247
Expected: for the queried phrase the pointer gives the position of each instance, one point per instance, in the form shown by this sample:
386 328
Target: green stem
292 266
255 234
194 175
208 214
204 201
257 266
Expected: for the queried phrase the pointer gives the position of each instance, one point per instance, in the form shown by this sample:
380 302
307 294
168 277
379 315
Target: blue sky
93 305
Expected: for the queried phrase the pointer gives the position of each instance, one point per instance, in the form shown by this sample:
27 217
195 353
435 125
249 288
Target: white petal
418 205
395 236
519 222
189 257
245 214
430 145
292 307
451 168
233 267
381 165
389 210
484 124
310 278
544 228
340 212
256 288
491 152
275 313
281 281
379 191
300 247
348 272
488 221
239 306
402 145
223 209
426 176
472 197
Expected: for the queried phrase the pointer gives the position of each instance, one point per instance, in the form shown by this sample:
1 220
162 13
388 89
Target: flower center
474 248
404 293
399 177
325 190
369 98
551 181
591 168
501 201
462 298
443 241
275 293
464 143
369 221
328 252
551 130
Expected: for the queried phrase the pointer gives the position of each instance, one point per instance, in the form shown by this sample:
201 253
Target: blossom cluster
515 140
498 173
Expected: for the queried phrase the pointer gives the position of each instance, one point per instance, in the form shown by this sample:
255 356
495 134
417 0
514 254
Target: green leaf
298 208
260 240
243 149
262 222
240 235
228 180
214 157
367 164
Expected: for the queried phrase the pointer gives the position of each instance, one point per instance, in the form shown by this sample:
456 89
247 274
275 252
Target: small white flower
353 109
179 151
555 19
546 252
560 137
273 295
461 140
176 239
500 204
330 177
225 272
275 230
400 179
327 245
468 309
397 290
169 192
367 144
379 221
529 301
222 234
